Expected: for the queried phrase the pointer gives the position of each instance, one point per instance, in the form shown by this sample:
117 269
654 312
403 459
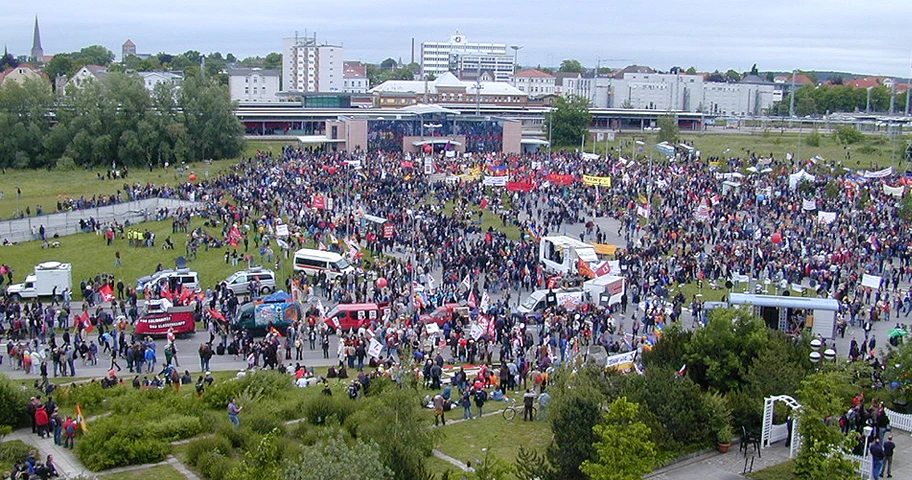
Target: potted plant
724 437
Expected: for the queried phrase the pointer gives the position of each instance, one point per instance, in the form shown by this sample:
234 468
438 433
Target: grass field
161 472
875 151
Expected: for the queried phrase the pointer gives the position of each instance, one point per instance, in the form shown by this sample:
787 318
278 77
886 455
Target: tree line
823 99
116 120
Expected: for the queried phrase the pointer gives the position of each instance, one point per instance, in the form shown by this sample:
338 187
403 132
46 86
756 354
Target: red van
352 316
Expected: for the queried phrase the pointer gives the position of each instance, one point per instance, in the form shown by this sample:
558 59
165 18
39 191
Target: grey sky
844 35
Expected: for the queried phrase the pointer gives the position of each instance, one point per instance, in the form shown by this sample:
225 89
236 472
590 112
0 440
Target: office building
469 65
435 56
253 85
308 66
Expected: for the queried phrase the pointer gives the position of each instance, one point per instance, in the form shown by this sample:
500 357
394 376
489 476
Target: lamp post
516 49
867 434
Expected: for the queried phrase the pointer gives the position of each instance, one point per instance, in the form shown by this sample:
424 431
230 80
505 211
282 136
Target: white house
535 83
88 73
253 84
151 79
354 78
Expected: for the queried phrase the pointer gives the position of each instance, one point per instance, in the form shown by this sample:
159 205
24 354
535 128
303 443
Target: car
239 282
444 314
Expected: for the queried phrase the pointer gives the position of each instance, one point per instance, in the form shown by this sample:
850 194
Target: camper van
559 254
312 261
536 303
176 280
50 278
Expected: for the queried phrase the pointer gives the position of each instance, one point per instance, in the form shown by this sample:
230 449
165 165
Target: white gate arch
774 433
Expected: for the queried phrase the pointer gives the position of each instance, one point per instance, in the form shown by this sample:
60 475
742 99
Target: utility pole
478 91
792 98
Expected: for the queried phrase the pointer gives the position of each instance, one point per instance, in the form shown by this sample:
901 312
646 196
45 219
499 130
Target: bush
174 427
114 442
197 448
13 400
813 139
66 164
266 383
319 409
14 450
215 465
264 423
89 395
847 135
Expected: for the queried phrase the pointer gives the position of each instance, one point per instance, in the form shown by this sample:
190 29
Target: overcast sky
842 35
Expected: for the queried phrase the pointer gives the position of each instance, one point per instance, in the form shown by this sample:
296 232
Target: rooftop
241 71
532 72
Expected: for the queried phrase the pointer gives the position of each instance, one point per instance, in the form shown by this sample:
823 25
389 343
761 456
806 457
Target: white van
536 303
561 253
312 261
181 277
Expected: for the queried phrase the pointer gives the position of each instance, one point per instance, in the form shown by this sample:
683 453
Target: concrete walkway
65 460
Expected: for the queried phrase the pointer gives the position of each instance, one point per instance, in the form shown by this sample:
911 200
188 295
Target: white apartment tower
435 56
311 67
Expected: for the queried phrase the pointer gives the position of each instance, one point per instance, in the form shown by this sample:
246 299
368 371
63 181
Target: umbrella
897 332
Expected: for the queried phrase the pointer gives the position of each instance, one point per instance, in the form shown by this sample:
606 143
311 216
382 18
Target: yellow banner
474 173
592 180
715 163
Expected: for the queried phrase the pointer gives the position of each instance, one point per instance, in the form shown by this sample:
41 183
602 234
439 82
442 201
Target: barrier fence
67 223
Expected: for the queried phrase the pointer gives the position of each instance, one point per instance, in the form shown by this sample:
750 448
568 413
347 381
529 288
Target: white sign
491 181
432 328
476 331
375 348
872 281
826 217
282 230
623 361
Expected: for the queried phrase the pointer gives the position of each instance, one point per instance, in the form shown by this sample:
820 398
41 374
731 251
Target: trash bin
901 406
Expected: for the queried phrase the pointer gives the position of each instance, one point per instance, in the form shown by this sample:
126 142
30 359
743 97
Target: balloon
776 238
381 282
192 177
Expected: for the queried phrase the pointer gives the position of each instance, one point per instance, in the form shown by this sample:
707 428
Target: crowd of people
677 221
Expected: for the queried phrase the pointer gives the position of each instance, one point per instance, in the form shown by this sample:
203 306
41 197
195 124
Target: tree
12 403
93 55
668 128
212 128
60 64
273 61
732 76
403 437
332 457
568 120
24 123
230 58
719 355
8 61
824 446
575 409
624 450
389 63
848 134
572 66
691 71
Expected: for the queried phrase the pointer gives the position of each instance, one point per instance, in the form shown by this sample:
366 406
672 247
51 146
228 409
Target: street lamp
516 49
867 434
815 350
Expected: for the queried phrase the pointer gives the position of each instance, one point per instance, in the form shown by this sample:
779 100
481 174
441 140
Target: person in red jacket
42 420
69 433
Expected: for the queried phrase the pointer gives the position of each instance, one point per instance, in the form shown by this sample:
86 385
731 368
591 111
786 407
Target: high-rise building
435 56
37 55
311 67
468 65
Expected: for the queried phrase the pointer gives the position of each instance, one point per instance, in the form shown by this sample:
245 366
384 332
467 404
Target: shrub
813 139
197 448
264 423
261 384
114 442
14 450
174 427
319 409
13 400
215 465
89 395
847 134
236 437
867 150
66 164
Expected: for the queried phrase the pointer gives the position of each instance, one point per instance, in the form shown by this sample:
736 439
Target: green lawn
464 441
783 471
161 472
875 150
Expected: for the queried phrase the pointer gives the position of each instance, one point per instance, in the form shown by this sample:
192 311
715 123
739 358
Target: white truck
605 290
50 278
536 303
560 254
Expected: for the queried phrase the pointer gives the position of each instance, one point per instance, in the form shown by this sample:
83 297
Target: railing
901 421
865 465
67 223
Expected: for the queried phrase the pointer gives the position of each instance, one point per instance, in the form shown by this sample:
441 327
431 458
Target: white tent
796 178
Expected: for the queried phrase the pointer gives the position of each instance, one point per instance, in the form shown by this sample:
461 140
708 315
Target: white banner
872 281
809 204
375 348
895 191
495 181
476 331
879 174
432 328
643 212
623 361
826 217
282 230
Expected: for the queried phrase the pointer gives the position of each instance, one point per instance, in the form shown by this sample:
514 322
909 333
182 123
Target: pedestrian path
64 458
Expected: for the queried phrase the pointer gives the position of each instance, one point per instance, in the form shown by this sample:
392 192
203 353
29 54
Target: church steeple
37 52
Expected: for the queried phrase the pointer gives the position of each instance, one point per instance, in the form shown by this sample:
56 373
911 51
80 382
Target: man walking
888 448
233 412
438 410
877 458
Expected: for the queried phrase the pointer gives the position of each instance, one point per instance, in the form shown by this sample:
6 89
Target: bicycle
509 412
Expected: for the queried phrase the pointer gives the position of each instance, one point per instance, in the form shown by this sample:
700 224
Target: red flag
603 269
217 315
184 296
86 322
319 202
166 292
472 300
107 293
584 268
484 202
552 281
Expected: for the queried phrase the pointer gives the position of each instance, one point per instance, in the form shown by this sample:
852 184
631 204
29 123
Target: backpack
71 429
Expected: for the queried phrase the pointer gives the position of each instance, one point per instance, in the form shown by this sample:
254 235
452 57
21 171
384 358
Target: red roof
531 72
354 70
866 82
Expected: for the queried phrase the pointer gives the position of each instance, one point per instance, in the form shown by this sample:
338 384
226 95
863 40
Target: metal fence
67 223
